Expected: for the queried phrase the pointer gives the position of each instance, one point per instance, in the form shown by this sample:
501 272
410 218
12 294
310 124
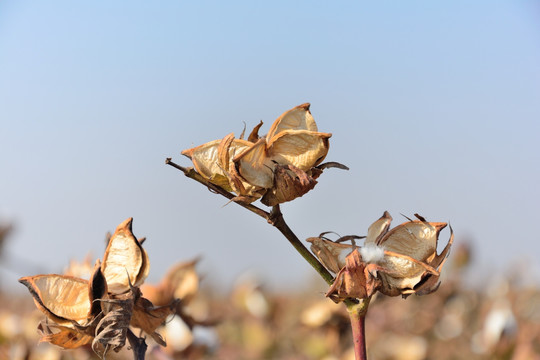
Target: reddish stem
357 315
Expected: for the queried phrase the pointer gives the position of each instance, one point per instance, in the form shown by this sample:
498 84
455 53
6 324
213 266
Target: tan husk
410 251
297 118
125 261
300 148
254 165
61 298
331 254
205 161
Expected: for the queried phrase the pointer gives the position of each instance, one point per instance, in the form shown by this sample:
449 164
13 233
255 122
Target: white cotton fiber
372 253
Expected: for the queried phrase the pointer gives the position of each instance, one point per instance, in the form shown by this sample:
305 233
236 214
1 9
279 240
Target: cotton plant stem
357 308
192 174
275 218
137 344
357 315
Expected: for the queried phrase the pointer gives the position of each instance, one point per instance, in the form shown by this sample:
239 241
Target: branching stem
275 218
357 309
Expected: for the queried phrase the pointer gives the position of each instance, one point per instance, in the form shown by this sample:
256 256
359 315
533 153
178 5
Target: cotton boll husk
61 298
416 239
300 148
297 118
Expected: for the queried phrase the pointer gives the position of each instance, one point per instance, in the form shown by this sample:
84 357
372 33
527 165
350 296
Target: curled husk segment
278 167
400 261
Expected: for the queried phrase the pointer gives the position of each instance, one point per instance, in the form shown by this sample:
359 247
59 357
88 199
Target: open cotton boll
372 253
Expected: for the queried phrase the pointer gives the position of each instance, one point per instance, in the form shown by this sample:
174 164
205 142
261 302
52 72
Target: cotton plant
286 164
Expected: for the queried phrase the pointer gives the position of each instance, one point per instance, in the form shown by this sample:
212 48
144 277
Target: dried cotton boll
276 168
400 261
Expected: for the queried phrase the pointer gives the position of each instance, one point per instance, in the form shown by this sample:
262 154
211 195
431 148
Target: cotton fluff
372 253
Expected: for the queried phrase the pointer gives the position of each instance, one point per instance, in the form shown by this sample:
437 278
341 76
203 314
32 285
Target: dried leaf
125 261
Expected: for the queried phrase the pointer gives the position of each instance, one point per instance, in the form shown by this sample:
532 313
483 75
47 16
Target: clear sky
434 106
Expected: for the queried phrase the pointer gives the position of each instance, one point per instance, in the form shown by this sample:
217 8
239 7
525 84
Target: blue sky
435 107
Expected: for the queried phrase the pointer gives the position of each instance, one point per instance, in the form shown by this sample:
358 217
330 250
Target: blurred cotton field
498 318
